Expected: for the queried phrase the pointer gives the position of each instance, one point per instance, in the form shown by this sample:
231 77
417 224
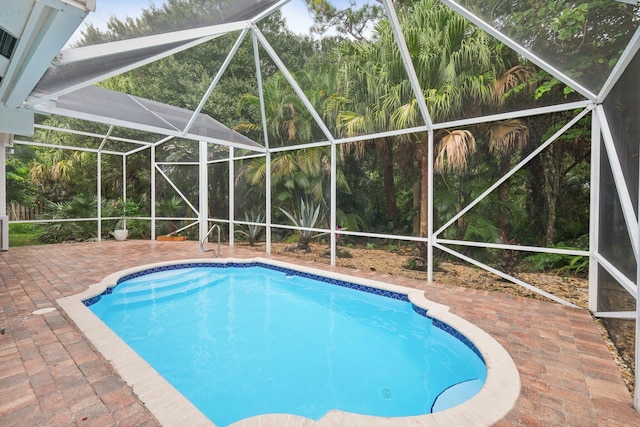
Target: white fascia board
520 50
46 32
107 49
88 5
15 121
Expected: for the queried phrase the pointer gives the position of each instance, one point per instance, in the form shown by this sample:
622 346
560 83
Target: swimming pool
389 390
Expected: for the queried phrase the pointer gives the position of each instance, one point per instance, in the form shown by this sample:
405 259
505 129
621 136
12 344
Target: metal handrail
215 254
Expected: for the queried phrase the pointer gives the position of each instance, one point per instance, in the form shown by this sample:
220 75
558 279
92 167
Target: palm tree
461 71
361 110
300 174
288 121
456 65
506 138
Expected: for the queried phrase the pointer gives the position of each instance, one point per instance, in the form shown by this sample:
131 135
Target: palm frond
454 150
507 136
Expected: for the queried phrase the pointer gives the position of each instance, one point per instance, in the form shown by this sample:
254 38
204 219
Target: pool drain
386 393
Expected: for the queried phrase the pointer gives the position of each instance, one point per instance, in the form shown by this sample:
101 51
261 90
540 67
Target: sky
295 12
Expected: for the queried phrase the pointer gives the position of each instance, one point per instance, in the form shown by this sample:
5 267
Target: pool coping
496 398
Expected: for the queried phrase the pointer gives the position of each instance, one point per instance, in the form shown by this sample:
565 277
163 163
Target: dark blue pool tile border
363 288
344 284
448 329
455 333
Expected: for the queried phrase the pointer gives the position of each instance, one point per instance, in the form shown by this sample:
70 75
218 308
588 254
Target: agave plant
253 231
306 217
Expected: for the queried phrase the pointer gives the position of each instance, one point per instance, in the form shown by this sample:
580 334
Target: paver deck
51 375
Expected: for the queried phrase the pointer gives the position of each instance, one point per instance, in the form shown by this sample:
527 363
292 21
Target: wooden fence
17 212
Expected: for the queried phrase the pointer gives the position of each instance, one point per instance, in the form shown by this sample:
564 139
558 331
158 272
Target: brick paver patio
50 375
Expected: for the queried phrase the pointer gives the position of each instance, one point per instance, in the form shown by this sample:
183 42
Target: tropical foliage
253 229
305 218
357 84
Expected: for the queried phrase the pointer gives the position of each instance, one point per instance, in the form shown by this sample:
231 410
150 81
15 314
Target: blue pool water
249 340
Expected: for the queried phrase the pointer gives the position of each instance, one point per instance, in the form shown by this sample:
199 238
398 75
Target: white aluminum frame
600 135
489 29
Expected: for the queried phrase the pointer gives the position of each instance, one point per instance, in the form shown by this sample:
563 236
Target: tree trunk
386 153
551 192
503 195
303 244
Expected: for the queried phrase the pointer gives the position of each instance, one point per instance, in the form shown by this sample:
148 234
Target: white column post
124 186
5 141
334 194
99 193
430 235
594 211
153 192
636 372
232 196
203 191
268 200
263 115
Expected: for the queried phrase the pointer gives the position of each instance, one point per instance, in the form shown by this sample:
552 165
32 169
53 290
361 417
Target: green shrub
575 264
253 231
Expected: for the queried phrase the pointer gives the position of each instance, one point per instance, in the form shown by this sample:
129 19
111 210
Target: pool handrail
202 242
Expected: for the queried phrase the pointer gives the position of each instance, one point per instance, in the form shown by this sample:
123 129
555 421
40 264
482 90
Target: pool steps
167 284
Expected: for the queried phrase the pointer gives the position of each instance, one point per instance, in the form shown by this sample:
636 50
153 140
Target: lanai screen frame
601 136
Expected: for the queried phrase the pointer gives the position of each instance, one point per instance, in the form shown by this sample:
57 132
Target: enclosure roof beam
101 105
626 57
408 64
109 49
66 147
628 211
216 80
521 50
515 114
90 134
515 169
294 84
